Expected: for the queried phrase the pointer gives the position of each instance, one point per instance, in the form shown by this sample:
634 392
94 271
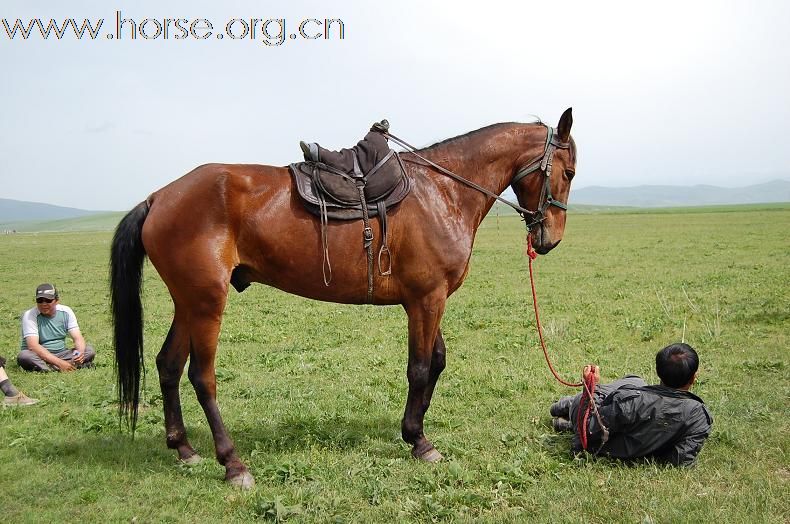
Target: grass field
313 393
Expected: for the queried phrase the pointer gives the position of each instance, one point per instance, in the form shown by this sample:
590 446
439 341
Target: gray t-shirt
51 331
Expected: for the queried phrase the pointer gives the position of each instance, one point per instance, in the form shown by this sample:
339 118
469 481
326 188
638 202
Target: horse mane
476 131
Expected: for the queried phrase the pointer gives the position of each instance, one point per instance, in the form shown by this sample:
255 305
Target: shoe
559 409
310 151
19 400
561 424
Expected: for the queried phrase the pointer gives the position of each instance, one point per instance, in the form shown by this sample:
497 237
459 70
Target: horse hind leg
204 324
170 364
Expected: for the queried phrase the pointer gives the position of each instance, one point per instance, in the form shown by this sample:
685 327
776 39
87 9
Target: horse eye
570 174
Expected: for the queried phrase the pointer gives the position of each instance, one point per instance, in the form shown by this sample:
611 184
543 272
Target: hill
670 196
99 221
18 211
17 215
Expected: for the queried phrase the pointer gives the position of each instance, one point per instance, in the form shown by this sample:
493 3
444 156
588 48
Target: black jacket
650 421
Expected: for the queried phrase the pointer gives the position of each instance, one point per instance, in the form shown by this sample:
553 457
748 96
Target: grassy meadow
313 393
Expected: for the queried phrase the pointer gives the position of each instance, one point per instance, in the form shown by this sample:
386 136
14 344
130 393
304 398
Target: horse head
543 183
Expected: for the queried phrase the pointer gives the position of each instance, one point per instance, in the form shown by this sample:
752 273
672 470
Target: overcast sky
672 92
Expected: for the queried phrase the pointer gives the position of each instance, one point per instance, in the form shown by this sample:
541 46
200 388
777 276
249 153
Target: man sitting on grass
44 331
664 422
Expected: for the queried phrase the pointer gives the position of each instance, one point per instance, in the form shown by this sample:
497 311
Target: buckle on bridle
536 217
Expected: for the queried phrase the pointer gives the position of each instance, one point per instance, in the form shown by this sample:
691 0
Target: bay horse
224 224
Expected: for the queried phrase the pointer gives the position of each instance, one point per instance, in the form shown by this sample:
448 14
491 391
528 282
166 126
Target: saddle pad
302 173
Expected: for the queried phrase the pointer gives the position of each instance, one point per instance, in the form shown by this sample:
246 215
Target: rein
588 382
543 162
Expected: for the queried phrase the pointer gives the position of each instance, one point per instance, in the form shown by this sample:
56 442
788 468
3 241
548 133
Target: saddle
330 193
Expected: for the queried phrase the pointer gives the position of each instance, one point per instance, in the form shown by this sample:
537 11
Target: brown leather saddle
317 182
330 193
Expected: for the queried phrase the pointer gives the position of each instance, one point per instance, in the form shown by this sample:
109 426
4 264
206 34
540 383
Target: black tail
126 278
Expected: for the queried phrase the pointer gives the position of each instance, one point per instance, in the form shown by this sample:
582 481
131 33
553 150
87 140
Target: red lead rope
587 404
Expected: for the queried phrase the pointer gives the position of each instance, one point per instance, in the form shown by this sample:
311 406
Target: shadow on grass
332 431
147 454
109 450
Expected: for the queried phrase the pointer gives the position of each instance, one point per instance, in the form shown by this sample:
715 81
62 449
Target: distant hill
34 216
100 221
671 196
17 210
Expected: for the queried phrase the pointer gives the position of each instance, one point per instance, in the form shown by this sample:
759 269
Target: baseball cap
46 291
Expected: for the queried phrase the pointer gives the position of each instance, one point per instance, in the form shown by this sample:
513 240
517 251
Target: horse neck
488 157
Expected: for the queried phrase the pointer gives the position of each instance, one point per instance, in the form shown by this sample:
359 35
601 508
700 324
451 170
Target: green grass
313 392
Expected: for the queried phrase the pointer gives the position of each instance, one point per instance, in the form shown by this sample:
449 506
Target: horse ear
564 127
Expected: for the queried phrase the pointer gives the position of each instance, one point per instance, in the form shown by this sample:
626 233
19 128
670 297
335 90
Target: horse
232 224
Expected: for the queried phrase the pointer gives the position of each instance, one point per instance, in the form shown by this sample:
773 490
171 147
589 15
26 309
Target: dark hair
676 364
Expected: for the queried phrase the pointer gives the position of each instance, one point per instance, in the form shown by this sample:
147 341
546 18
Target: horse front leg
422 372
438 363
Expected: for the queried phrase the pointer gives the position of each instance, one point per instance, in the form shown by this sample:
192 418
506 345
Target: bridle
542 163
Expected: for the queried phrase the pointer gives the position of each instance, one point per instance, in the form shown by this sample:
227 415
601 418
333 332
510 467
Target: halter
544 163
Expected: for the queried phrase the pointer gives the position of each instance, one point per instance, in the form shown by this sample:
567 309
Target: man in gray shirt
665 422
44 331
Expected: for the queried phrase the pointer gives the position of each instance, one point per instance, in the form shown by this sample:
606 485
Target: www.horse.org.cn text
269 31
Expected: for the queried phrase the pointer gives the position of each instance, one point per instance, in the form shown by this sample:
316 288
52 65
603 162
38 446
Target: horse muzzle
541 240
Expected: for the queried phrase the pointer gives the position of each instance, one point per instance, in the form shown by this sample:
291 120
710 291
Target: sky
673 92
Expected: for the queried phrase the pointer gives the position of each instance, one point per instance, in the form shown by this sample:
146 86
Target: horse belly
287 254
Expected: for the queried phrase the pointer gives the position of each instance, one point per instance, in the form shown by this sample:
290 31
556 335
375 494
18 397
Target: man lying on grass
664 422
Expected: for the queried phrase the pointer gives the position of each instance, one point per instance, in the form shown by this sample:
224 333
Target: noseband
544 164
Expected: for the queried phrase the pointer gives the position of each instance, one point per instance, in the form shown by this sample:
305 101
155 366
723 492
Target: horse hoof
430 455
192 460
242 481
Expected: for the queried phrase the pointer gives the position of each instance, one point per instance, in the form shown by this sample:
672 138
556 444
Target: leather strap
326 266
367 232
384 250
380 163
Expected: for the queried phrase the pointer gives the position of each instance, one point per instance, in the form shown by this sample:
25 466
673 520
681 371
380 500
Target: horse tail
127 254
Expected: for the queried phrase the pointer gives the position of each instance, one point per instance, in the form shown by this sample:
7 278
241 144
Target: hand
591 371
64 365
79 359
